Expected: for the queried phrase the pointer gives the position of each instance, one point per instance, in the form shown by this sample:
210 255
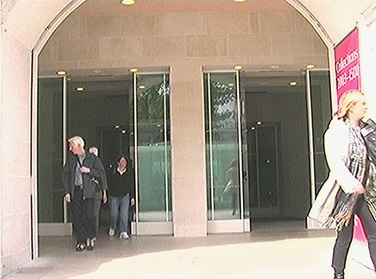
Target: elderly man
80 178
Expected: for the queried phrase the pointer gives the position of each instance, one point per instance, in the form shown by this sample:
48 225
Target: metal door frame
64 227
311 224
236 225
138 227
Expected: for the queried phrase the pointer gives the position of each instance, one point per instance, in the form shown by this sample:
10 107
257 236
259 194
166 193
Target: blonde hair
347 100
77 141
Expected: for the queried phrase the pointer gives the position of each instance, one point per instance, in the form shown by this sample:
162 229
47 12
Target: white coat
336 142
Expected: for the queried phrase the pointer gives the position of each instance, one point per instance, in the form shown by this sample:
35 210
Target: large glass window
152 147
319 110
50 149
222 146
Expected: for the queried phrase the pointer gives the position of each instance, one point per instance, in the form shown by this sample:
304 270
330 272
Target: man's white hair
76 140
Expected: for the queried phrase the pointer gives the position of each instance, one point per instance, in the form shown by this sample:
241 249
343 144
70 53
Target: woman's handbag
230 188
343 210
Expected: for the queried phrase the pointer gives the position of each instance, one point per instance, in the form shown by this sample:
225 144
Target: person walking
347 188
121 190
79 176
101 193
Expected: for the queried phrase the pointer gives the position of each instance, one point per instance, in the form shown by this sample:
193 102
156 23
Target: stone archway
25 28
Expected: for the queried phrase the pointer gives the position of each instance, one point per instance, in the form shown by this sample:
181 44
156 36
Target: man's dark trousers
84 216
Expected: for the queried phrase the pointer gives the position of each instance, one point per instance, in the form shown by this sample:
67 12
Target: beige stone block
189 117
23 133
28 20
6 196
17 87
190 231
221 23
138 25
272 60
120 48
182 23
104 64
254 23
190 216
186 189
15 120
16 260
187 135
164 46
8 126
78 50
49 52
182 70
187 93
15 53
275 21
6 8
197 46
15 233
252 44
287 44
319 47
50 68
17 164
188 164
300 24
20 193
103 26
191 211
73 27
319 61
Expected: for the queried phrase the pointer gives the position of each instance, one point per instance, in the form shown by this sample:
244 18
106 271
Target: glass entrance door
319 115
223 152
51 112
263 169
152 153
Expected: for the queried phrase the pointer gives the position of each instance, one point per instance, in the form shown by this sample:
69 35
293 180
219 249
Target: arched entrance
17 42
160 38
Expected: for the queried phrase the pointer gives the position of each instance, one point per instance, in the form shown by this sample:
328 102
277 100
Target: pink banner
346 55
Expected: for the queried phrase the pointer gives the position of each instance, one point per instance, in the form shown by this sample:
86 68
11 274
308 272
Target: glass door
263 169
319 115
51 110
152 153
224 159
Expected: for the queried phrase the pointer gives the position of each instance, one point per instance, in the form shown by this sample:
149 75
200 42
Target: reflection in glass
152 142
222 146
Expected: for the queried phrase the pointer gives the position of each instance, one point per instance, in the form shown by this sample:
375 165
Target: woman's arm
336 152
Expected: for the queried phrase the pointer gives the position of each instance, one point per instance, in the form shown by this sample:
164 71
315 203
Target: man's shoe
339 276
90 244
124 235
80 247
111 232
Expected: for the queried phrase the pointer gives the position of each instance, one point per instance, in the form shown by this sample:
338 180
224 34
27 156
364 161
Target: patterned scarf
358 164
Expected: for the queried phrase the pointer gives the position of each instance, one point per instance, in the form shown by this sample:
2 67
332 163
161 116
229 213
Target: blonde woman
346 154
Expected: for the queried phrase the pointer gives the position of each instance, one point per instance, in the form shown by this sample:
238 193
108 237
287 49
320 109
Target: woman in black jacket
121 190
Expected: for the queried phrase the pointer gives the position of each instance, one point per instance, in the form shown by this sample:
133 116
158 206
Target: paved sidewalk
265 255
